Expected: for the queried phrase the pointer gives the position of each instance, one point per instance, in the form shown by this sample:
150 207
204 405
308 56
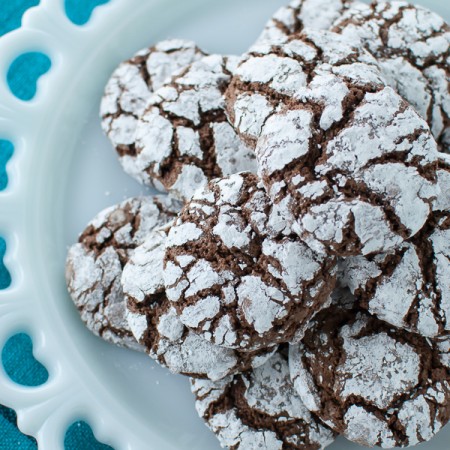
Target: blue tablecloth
16 356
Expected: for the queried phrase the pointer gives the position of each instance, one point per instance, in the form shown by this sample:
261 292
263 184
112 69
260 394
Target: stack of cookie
299 268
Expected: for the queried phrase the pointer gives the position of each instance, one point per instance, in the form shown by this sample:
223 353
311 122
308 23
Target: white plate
63 172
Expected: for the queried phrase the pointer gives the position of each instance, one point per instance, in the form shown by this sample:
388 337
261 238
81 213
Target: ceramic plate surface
62 173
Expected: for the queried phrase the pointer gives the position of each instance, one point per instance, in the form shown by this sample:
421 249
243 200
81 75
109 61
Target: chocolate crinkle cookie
442 202
299 14
408 287
183 138
412 46
94 265
374 383
315 69
355 164
260 410
130 87
156 325
236 274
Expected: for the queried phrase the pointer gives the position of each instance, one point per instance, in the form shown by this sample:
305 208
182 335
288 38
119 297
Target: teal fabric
5 277
6 151
80 437
24 73
17 358
10 437
11 12
79 11
19 363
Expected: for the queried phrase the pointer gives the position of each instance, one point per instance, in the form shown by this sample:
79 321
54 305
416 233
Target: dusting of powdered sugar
345 200
250 281
440 241
156 325
442 202
326 223
267 413
302 379
132 84
285 139
364 427
375 384
412 45
94 265
183 138
407 286
396 366
379 125
298 14
314 66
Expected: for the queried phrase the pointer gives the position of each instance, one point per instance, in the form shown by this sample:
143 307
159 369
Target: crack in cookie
300 14
355 164
94 265
237 274
412 47
130 87
260 409
183 138
375 384
155 324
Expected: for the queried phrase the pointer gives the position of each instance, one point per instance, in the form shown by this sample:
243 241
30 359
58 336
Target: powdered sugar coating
250 282
412 45
442 202
130 87
259 410
94 265
299 14
351 202
156 325
183 138
367 355
312 67
409 286
443 345
375 384
365 427
354 162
